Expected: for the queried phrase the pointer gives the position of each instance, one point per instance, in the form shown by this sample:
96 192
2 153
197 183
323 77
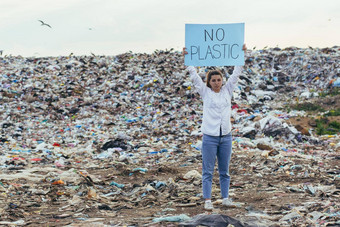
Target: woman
216 128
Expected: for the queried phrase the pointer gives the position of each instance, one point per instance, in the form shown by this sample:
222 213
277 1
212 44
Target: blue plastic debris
117 185
177 218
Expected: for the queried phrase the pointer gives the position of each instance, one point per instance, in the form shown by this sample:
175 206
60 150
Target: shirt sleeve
232 81
197 81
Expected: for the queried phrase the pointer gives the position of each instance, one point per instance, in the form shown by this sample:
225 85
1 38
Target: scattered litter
111 136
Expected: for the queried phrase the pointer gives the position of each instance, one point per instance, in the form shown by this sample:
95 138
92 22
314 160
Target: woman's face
216 83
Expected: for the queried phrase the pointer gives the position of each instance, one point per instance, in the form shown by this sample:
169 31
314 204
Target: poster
214 44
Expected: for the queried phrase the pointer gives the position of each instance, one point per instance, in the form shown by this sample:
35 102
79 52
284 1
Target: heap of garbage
96 139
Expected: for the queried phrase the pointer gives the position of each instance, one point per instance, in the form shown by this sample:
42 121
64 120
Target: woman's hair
211 73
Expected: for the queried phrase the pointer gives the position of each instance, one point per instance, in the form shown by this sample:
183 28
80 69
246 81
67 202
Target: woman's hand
244 48
184 52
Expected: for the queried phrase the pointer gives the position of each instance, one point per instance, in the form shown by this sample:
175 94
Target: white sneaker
228 202
208 205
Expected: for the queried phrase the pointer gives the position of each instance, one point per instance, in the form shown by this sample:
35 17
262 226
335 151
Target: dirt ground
305 122
327 103
259 184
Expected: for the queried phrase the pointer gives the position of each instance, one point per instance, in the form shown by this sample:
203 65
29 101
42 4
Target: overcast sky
111 27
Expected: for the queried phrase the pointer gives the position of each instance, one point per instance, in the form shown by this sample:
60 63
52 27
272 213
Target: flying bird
43 23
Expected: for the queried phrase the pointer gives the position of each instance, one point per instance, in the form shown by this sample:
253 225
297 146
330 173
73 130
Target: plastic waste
177 218
117 185
213 220
92 121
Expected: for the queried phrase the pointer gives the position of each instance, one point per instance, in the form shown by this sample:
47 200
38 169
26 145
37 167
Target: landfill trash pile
115 140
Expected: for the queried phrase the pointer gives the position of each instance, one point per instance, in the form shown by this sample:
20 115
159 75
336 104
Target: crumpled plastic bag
176 218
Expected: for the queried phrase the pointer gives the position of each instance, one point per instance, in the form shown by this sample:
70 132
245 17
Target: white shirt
216 106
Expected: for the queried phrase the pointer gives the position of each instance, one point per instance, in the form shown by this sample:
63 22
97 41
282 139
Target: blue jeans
213 146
